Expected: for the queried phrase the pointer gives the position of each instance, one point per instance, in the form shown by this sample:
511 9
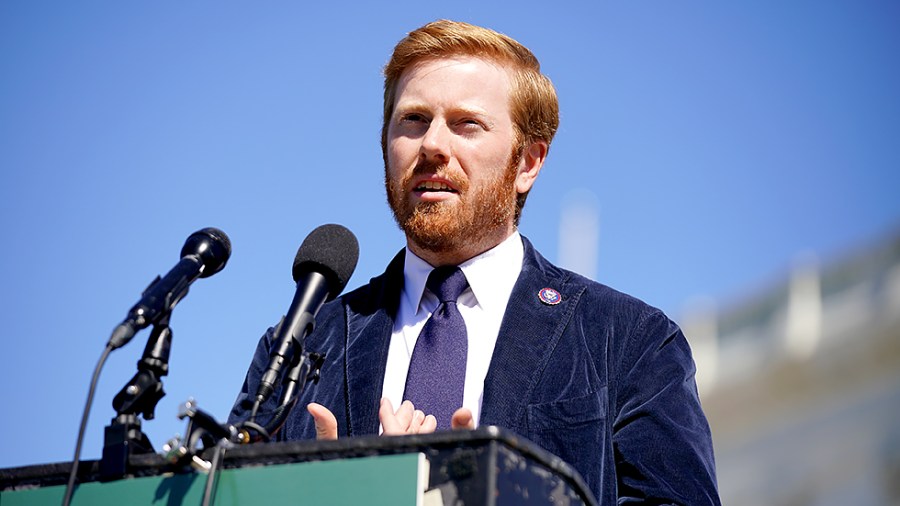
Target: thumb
462 419
326 423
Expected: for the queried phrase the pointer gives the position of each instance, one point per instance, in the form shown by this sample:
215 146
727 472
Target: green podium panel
389 480
484 467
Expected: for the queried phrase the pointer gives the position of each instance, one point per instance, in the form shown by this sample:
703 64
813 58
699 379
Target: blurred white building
801 384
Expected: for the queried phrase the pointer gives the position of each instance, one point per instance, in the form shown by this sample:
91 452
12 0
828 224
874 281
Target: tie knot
447 282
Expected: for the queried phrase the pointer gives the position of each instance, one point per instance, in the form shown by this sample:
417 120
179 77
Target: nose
436 143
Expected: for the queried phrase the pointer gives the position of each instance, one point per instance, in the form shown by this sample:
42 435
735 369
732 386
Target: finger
462 419
385 407
404 414
429 425
416 423
326 423
389 424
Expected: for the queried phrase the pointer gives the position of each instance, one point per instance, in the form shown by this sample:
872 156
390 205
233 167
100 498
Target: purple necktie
437 368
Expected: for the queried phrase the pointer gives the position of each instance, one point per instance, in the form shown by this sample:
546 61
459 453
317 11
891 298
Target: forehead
457 79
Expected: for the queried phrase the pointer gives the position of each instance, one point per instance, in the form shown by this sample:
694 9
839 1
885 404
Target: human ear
530 165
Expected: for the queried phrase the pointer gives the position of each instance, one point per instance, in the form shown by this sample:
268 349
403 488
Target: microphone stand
123 437
305 368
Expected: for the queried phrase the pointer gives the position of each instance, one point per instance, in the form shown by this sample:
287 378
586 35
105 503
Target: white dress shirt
491 276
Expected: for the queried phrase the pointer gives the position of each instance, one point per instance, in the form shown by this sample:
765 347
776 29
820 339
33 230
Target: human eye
413 117
470 125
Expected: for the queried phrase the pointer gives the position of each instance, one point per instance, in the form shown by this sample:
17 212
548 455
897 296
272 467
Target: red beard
452 225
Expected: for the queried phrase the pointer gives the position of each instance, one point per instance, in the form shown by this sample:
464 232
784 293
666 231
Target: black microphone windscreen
330 250
212 246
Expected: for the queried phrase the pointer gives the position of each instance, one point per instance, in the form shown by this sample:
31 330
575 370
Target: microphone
322 268
204 253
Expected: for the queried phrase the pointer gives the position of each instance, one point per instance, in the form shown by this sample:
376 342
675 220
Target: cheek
391 155
397 166
485 168
400 141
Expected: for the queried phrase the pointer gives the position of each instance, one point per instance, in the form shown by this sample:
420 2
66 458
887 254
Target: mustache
429 167
442 170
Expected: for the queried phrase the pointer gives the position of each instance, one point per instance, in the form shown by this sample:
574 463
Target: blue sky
719 140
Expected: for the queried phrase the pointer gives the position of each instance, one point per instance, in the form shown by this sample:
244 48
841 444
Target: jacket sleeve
244 402
661 440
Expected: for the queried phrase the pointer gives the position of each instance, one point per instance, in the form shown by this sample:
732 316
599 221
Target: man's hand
462 419
406 420
326 423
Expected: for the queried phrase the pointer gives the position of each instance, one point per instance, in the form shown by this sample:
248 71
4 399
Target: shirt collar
491 275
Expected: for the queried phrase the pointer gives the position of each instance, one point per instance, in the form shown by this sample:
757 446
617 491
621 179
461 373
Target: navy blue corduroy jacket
600 379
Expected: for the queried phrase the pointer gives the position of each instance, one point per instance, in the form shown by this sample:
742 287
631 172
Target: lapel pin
549 296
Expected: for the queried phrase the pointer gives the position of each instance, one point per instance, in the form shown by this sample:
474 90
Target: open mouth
434 186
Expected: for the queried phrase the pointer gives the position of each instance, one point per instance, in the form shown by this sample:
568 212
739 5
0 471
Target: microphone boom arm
123 437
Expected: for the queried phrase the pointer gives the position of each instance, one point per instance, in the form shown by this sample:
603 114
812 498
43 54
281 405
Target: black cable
208 495
279 416
265 433
254 410
259 429
70 486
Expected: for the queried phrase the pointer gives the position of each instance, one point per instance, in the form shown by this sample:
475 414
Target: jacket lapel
370 321
529 332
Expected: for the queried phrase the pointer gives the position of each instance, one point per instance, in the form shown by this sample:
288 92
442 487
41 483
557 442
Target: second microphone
322 268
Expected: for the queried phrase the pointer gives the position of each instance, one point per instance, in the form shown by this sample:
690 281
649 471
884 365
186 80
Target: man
592 375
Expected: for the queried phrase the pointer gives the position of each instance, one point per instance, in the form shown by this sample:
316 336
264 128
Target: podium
487 466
